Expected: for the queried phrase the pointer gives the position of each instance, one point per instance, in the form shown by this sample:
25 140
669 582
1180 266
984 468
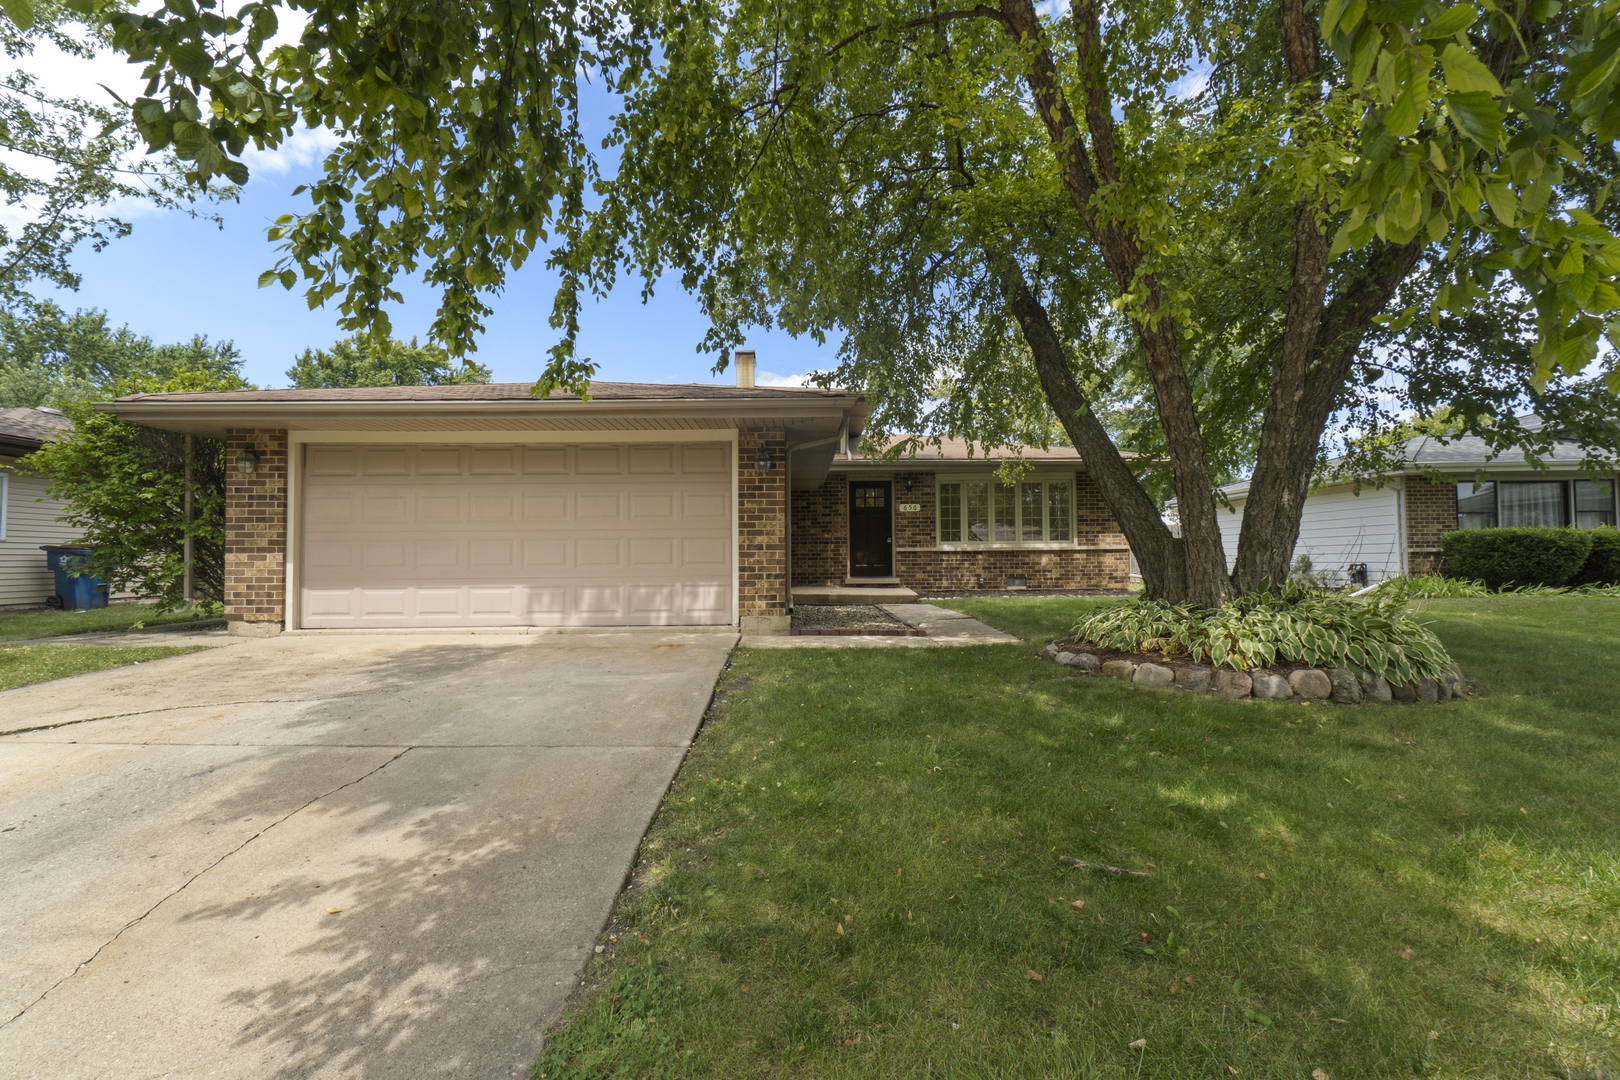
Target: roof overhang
820 414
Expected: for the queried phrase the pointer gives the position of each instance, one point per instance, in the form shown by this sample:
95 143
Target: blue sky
176 276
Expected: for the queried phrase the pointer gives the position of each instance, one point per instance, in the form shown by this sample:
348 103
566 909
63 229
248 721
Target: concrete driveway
329 856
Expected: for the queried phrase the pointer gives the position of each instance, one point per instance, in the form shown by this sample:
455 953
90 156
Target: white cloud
305 147
1192 84
771 378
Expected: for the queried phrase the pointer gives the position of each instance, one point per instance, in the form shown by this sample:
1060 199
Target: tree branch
938 17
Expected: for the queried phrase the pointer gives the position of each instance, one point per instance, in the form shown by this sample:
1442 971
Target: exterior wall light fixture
247 461
762 461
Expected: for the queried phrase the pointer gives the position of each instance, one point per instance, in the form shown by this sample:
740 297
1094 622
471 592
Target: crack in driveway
153 712
187 883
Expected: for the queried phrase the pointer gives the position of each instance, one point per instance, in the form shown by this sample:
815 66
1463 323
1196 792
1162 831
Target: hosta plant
1373 634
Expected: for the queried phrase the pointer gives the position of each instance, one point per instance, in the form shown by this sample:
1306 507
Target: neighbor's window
1029 512
1594 503
1535 504
5 501
1476 505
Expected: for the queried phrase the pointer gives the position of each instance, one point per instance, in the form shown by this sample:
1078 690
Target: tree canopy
357 361
48 357
72 162
1221 222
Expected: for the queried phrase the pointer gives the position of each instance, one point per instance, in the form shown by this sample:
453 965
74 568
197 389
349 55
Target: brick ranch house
1395 529
649 504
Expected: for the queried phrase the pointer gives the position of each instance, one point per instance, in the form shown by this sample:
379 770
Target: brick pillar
762 591
1431 512
256 534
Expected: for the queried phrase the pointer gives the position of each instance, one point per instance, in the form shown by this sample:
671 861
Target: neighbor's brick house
647 505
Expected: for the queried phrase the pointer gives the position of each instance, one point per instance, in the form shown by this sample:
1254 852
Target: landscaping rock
1406 695
1453 684
1428 691
1088 661
1310 683
1374 688
1194 678
1273 687
1346 687
1233 684
1050 652
1064 658
1154 675
1123 670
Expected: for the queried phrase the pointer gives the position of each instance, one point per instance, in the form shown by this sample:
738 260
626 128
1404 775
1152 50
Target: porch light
247 461
762 461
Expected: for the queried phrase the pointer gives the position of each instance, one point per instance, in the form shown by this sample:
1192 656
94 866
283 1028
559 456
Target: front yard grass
856 872
21 665
113 617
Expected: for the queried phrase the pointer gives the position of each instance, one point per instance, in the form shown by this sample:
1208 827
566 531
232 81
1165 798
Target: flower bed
1291 643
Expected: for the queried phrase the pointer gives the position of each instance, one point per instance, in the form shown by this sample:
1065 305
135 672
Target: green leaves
20 12
1466 74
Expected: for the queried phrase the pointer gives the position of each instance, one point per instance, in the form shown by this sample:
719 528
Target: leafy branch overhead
461 150
1462 134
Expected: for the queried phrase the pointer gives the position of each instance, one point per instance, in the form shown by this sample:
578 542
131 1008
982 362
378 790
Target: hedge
1501 557
1602 566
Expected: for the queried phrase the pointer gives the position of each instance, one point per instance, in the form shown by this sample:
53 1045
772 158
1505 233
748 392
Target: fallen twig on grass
1104 867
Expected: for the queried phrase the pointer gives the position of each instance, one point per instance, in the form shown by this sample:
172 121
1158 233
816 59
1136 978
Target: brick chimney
745 367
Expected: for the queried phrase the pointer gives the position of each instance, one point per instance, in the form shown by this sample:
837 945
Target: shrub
1602 566
1320 629
1428 587
1501 557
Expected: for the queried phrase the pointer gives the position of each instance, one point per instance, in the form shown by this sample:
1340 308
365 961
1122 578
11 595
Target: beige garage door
589 535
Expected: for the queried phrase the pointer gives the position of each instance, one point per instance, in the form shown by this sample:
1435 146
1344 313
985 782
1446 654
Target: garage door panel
597 460
385 463
545 460
704 459
323 461
431 462
439 536
707 507
545 554
706 552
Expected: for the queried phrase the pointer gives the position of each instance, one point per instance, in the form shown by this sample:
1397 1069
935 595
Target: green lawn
1375 891
24 664
38 624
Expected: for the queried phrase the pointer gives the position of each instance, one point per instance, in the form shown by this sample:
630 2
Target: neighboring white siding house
1337 529
27 516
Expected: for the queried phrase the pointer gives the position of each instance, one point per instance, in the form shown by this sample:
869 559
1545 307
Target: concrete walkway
371 856
944 626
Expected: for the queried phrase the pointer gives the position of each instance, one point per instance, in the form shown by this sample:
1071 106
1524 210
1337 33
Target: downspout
842 439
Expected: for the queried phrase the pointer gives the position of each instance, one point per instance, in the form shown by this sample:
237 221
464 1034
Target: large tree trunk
1199 561
1160 555
1319 345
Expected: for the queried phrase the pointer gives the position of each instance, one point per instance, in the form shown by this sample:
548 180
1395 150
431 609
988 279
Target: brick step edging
852 632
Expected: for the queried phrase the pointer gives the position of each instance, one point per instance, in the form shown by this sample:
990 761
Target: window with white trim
5 501
983 512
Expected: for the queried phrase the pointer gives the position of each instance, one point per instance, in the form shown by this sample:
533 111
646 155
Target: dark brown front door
871 531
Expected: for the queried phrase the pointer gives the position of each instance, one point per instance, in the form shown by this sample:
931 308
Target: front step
811 595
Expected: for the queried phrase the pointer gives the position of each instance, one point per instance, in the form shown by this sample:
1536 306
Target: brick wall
821 544
1431 512
761 521
256 529
821 533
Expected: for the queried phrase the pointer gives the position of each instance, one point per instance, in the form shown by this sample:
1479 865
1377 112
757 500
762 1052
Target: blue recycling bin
74 593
